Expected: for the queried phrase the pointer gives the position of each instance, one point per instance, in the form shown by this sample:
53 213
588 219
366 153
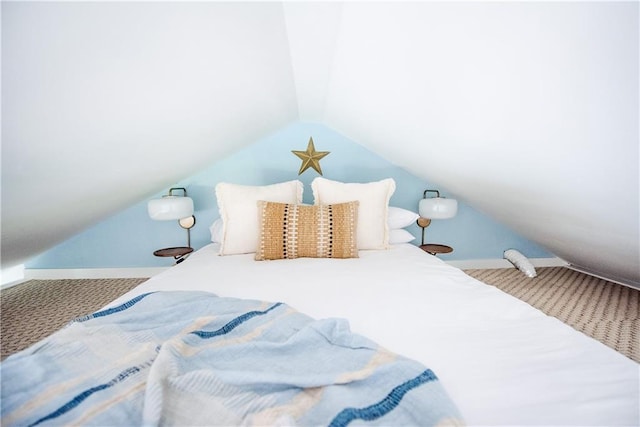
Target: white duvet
502 361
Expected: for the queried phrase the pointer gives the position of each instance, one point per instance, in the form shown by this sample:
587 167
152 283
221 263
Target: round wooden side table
177 253
434 248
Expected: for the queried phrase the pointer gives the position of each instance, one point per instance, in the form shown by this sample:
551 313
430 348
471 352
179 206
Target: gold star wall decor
310 158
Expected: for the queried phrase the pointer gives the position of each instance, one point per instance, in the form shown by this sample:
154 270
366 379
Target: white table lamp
172 207
435 208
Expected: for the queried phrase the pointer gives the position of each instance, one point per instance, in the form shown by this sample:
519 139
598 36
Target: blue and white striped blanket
192 358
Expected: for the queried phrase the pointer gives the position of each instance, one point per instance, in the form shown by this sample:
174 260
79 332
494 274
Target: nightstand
434 249
431 248
179 253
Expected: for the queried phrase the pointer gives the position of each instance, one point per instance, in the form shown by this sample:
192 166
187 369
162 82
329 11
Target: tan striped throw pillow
290 231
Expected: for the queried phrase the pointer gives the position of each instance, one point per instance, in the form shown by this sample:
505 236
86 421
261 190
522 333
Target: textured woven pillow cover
290 231
373 230
239 212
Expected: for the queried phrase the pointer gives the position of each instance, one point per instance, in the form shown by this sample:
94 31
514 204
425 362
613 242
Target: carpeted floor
35 309
606 311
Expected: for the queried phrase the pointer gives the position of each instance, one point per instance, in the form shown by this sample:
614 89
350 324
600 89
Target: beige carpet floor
35 309
606 311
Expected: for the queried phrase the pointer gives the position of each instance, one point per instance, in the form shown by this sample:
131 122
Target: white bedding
502 361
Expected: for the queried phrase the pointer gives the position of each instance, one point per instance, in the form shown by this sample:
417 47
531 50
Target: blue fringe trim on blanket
113 310
78 399
234 323
385 406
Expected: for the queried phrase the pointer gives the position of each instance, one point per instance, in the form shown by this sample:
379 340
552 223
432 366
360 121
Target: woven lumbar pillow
290 231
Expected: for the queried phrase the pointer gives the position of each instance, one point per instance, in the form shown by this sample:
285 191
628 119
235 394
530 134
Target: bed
498 360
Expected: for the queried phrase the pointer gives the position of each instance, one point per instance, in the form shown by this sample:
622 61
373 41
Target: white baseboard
12 276
472 264
11 284
92 273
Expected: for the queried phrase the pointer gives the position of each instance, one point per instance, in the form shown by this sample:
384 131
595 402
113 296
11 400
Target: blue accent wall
129 238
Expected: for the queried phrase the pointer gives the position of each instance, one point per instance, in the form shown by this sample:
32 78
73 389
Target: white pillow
373 231
238 206
400 235
216 231
400 218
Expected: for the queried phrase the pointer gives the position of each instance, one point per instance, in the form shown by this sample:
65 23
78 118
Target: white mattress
502 361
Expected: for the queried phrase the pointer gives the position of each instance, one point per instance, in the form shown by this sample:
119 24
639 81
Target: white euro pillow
400 235
372 229
400 218
238 206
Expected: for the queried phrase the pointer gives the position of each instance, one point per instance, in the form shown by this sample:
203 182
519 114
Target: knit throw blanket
192 358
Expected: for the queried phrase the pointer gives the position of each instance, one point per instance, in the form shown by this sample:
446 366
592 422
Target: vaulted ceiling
527 111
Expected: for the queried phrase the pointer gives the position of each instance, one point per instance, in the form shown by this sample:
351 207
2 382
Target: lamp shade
438 208
170 207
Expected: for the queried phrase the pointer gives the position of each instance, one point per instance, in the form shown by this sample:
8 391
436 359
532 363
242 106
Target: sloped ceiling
528 111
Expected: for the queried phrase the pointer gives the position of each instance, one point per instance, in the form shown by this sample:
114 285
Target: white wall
106 103
527 110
